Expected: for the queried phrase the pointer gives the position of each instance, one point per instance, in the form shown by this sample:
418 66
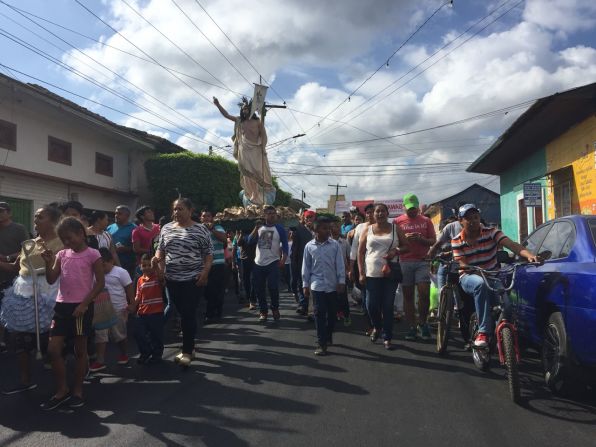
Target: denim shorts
415 272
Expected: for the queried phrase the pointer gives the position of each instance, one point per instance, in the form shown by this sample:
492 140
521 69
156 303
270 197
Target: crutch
28 247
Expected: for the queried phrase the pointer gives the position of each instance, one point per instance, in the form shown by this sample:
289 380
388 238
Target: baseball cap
410 201
465 208
4 206
309 213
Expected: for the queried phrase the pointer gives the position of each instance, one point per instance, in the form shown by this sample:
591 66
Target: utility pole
303 195
337 189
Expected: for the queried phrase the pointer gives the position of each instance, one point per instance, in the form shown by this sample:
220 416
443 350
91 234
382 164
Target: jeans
297 286
325 310
149 334
288 276
380 297
248 280
441 276
267 275
215 291
185 296
474 286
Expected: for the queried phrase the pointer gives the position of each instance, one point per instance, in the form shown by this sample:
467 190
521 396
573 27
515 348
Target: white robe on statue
255 173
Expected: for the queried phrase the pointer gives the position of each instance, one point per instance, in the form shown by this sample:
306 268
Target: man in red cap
304 234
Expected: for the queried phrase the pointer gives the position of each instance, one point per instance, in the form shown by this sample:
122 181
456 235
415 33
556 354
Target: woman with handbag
378 252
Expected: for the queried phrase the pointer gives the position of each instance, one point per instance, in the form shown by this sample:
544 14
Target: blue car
555 304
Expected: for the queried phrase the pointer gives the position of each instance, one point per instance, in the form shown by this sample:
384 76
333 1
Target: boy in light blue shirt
323 275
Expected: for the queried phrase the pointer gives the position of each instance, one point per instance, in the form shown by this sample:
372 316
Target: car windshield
592 224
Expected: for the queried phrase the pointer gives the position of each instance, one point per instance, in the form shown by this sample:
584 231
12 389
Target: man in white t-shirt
121 290
271 254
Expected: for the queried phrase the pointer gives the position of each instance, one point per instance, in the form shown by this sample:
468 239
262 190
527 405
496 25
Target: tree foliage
208 180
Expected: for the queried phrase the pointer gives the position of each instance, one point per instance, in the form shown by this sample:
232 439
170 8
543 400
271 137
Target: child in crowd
121 291
343 306
75 266
323 276
149 306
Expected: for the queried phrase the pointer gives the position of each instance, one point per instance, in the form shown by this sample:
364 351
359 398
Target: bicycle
505 340
449 296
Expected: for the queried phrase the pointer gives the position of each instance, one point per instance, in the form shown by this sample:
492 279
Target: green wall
531 168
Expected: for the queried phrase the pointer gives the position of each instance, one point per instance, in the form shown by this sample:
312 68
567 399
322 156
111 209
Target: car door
523 297
546 287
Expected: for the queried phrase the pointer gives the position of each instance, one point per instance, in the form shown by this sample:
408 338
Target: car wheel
555 354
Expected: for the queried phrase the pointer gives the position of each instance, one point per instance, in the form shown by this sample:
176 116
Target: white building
52 150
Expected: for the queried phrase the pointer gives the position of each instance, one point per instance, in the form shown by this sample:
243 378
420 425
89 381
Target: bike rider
477 245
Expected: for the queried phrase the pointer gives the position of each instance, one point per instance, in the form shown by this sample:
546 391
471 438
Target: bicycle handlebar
494 273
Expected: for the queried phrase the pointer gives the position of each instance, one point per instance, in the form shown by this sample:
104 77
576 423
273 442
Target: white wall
36 120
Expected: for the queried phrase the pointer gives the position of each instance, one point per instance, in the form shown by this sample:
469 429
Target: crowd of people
90 279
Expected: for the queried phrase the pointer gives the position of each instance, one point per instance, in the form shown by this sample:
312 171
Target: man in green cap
420 234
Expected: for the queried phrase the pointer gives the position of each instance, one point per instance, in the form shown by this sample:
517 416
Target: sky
392 96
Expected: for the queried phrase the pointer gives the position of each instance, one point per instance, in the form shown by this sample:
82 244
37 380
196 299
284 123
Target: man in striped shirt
477 245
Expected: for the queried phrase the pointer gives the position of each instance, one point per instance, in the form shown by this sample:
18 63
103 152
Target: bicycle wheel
511 363
445 315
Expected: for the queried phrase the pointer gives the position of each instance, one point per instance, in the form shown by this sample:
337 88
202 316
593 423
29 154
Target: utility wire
107 45
173 43
101 104
103 86
386 63
145 53
424 61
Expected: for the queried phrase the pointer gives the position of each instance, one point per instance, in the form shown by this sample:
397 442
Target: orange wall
576 148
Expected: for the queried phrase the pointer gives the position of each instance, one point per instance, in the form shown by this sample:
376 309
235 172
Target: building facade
53 150
552 144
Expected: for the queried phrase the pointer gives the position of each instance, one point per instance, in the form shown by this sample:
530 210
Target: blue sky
314 54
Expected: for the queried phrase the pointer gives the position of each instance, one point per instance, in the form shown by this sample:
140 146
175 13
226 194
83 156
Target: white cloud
329 48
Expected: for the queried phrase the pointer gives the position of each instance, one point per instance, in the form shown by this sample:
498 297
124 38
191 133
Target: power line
173 43
107 45
102 86
211 42
145 53
424 61
97 83
101 104
385 63
504 110
253 67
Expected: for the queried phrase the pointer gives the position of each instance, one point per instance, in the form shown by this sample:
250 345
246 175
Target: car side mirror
546 254
503 257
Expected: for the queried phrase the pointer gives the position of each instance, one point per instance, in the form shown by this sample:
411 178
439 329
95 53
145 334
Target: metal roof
545 120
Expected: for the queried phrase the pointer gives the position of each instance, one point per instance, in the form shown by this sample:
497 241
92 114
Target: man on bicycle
477 245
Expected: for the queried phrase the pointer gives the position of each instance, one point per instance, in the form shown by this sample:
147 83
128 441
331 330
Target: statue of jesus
250 142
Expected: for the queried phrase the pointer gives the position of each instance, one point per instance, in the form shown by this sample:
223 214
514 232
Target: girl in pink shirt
76 267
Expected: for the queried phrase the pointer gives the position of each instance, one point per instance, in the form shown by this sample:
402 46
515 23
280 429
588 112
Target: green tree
209 181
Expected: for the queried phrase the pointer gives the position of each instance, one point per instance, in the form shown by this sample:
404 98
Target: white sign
258 99
341 206
396 207
532 194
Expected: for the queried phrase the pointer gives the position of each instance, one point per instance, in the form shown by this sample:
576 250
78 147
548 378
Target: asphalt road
256 384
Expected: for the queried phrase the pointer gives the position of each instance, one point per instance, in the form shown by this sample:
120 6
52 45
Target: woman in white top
378 246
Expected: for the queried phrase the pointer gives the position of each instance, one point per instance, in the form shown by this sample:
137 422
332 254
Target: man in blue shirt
347 224
323 275
121 232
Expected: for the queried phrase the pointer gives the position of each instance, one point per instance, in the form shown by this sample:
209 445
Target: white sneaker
185 360
178 357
